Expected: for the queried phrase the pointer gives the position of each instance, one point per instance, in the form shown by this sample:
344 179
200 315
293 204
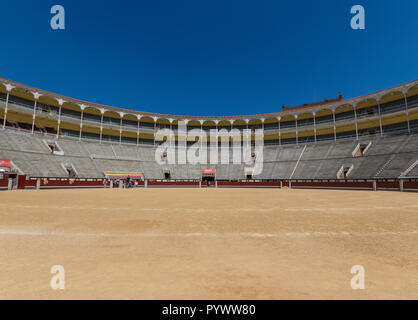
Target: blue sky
215 57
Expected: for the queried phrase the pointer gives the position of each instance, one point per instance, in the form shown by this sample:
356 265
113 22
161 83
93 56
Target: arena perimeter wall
23 182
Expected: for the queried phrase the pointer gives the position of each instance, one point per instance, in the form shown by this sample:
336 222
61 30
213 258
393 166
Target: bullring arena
208 243
85 188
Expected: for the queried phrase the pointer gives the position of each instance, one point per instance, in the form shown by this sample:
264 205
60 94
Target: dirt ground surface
208 244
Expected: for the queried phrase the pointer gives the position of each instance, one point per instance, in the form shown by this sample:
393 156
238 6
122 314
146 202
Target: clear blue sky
215 57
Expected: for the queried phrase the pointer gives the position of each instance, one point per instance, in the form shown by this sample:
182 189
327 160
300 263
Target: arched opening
239 124
287 129
394 113
69 122
129 129
111 126
412 104
345 121
305 127
180 131
130 122
146 124
271 127
224 124
193 125
43 120
163 123
224 129
271 124
254 124
324 125
209 125
20 107
91 123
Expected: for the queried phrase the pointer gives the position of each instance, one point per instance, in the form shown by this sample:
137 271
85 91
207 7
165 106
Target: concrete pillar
60 102
81 122
137 132
401 185
201 135
111 184
5 110
216 183
155 128
335 126
38 184
10 184
8 88
101 125
200 184
172 134
374 185
120 128
290 184
380 118
297 133
407 112
281 184
36 96
34 116
146 183
355 121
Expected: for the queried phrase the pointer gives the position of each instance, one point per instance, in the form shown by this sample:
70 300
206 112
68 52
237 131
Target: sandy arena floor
208 244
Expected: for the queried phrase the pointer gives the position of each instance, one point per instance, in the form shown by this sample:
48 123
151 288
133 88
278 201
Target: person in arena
128 182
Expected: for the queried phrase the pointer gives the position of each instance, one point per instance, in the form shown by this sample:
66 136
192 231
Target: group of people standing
124 183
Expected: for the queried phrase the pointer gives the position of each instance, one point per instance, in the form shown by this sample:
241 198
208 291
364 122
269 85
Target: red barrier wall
4 182
334 184
21 180
65 183
387 185
411 185
275 184
50 183
173 183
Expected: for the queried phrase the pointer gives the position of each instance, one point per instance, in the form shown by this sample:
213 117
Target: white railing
410 168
